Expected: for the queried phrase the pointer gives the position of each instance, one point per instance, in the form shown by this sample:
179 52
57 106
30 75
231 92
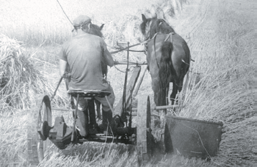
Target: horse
96 30
168 57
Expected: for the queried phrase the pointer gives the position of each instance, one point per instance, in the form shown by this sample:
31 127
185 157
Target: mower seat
88 93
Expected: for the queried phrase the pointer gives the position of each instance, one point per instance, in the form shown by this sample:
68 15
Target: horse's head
96 30
147 26
151 26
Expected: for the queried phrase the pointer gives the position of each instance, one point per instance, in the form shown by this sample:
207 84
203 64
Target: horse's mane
96 30
164 27
157 25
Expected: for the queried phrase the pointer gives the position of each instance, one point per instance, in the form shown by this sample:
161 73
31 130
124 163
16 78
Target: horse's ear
143 18
101 27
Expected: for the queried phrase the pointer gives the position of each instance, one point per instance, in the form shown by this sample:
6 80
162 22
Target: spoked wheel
43 126
144 139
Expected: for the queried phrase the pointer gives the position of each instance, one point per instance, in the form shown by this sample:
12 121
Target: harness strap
154 37
169 35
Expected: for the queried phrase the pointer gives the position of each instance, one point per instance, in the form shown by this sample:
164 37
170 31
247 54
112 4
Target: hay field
222 39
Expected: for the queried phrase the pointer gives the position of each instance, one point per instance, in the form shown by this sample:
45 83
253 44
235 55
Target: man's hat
80 20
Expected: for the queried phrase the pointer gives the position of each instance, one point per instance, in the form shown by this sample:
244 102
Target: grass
19 77
13 128
44 23
220 84
22 75
224 92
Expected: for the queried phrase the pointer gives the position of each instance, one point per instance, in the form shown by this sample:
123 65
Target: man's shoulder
87 37
97 39
94 37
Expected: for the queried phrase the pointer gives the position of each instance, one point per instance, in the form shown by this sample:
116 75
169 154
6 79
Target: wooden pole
123 116
161 107
139 83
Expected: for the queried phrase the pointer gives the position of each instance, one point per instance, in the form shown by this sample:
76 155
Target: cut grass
23 76
225 91
19 77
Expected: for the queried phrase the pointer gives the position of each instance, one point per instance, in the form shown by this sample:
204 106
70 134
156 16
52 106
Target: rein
140 43
154 38
64 13
122 49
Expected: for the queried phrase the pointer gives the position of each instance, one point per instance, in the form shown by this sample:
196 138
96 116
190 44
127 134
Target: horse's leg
174 93
91 108
180 85
99 116
184 73
177 81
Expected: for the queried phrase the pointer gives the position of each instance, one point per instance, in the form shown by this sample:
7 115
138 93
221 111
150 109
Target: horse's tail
165 63
165 69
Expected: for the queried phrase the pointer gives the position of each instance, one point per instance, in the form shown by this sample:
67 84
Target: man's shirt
84 54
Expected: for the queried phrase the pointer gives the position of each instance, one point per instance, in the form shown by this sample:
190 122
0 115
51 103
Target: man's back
84 54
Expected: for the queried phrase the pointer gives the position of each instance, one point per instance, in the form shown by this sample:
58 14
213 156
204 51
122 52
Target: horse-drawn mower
184 136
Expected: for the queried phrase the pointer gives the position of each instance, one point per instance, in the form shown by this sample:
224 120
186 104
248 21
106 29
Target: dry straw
13 140
226 91
19 78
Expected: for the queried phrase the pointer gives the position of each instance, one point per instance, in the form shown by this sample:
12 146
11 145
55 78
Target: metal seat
88 93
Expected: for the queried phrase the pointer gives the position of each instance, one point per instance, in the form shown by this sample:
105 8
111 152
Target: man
83 54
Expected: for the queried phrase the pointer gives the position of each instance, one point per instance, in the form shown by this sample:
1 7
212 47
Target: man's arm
62 67
109 59
107 55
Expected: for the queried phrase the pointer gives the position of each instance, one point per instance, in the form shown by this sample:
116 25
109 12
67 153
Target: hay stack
19 79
